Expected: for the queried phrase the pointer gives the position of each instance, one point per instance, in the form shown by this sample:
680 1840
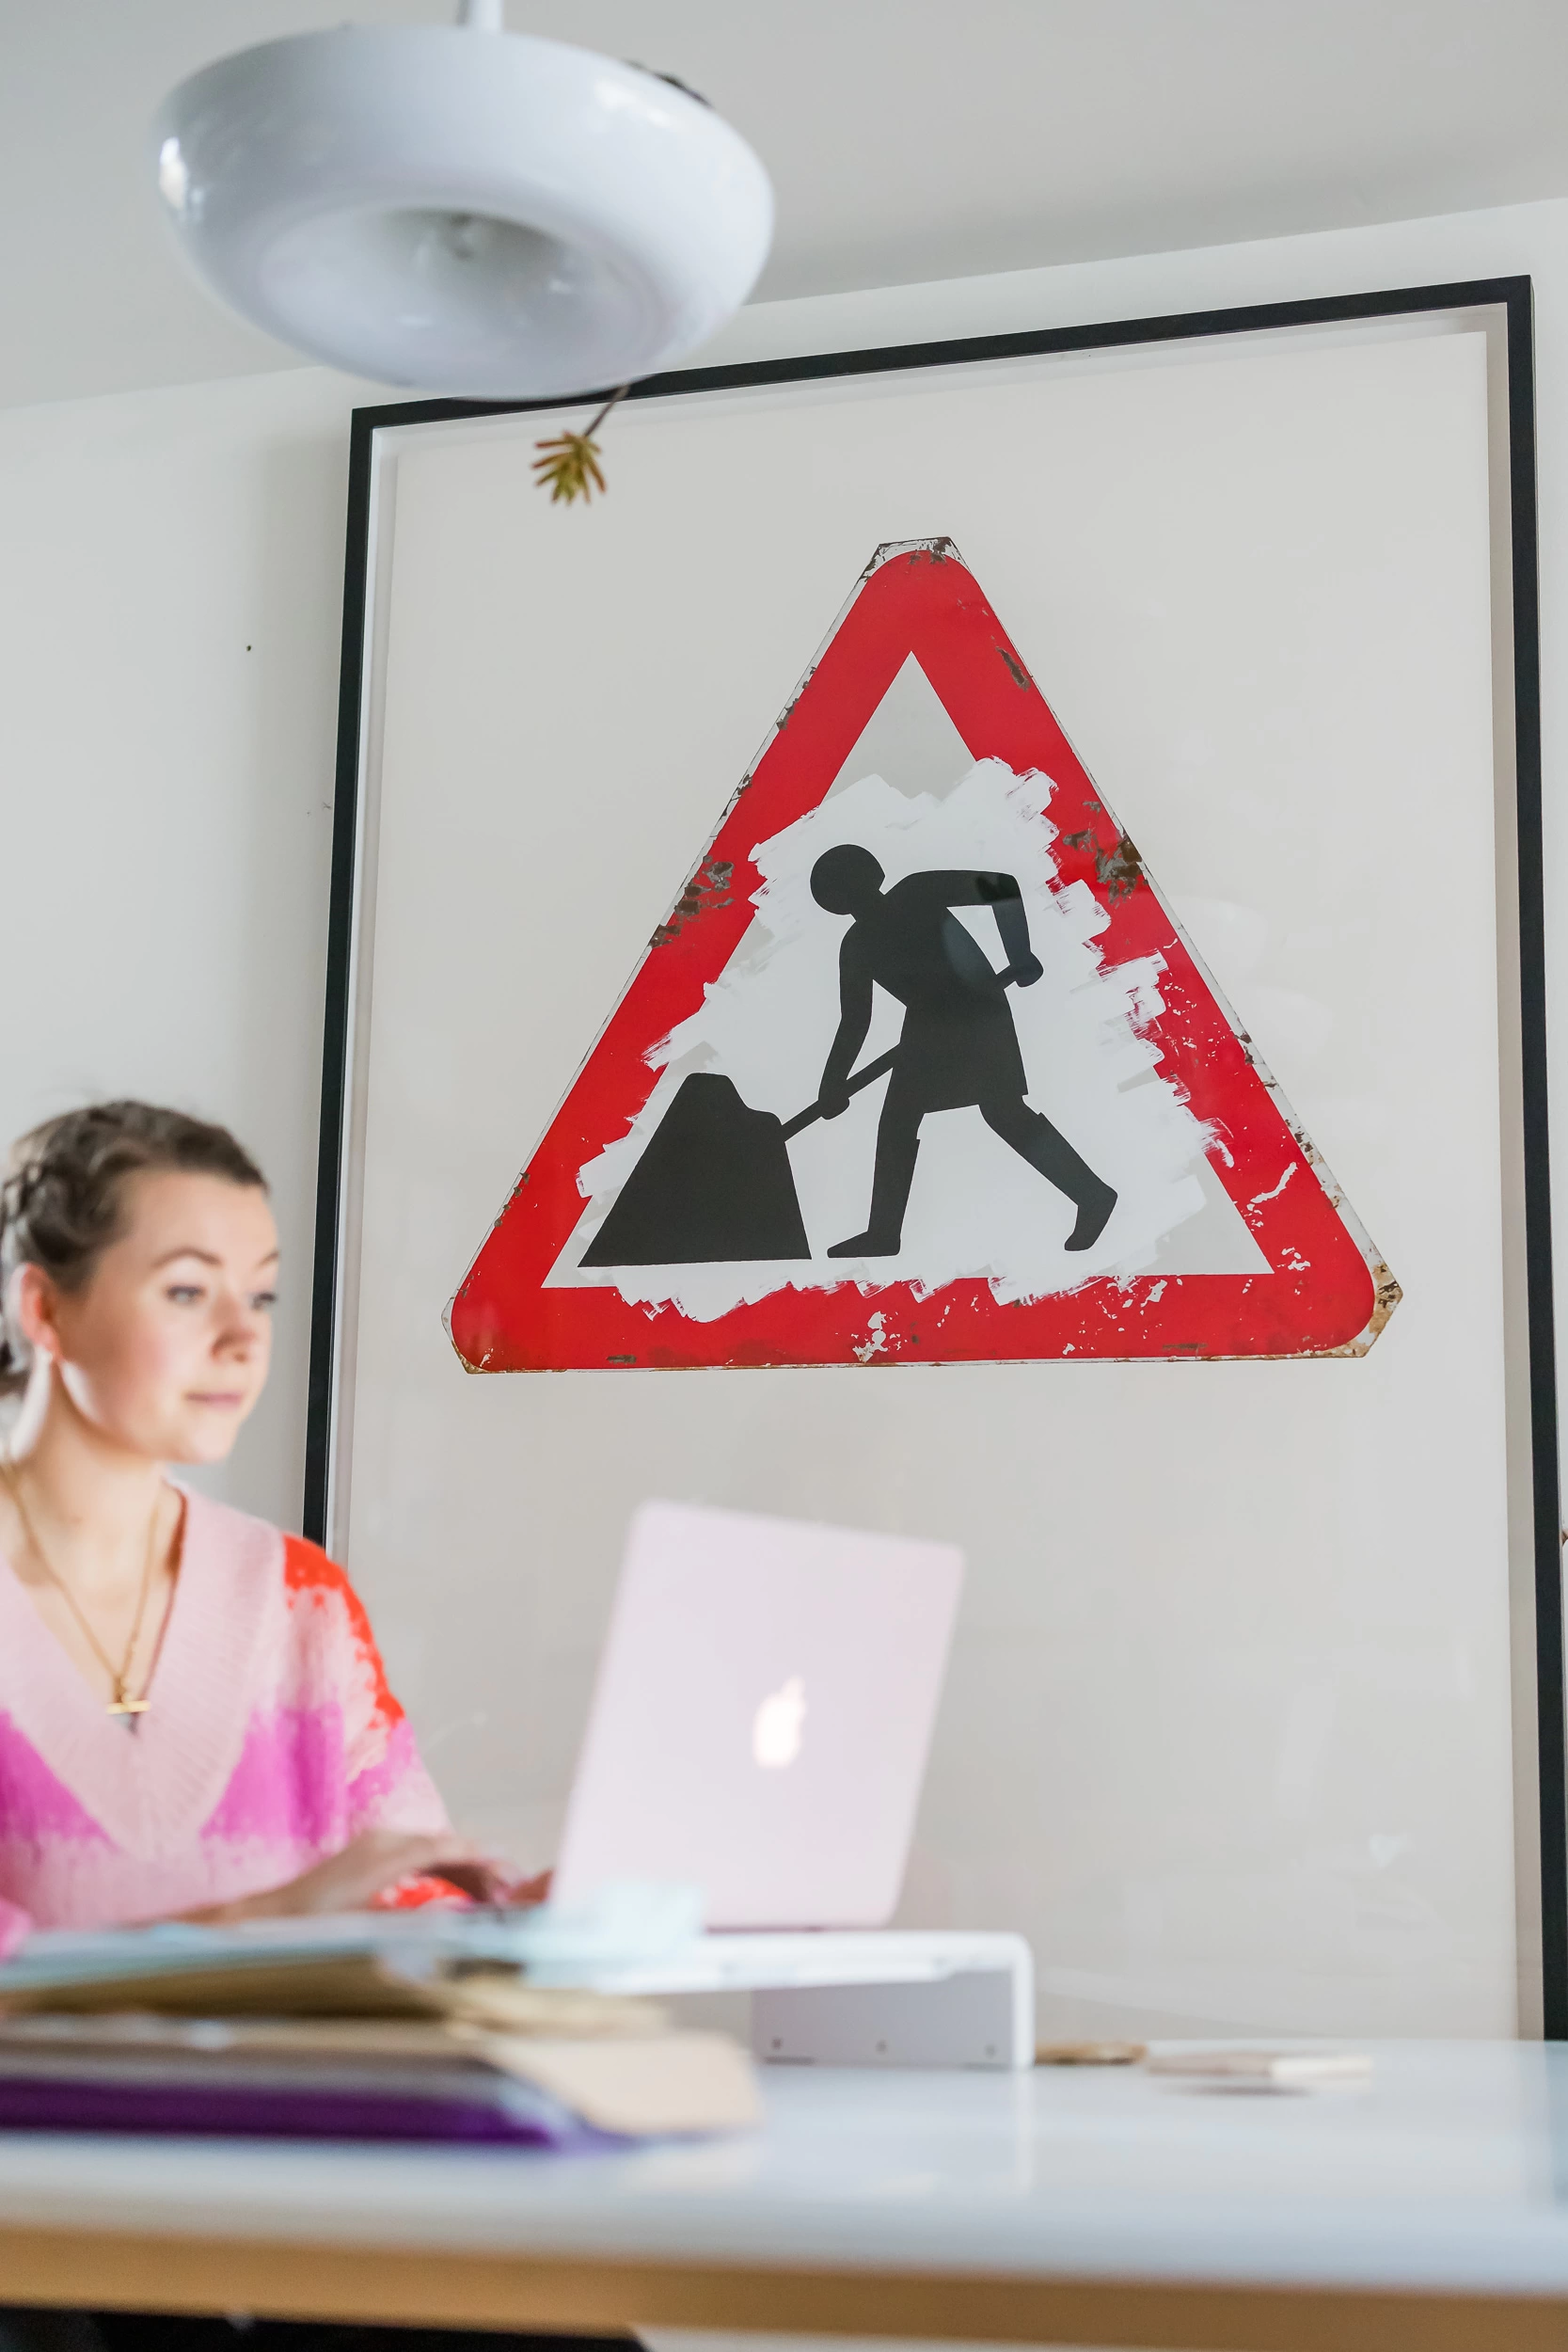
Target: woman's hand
496 1882
368 1866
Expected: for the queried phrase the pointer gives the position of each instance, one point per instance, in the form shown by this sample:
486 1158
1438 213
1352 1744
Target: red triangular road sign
1307 1280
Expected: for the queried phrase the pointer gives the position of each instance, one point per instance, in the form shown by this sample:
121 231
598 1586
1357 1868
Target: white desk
1428 2209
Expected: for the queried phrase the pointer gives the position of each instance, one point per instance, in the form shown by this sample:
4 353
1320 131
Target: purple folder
33 2103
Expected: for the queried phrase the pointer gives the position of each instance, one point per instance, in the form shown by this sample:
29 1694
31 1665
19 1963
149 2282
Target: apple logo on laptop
776 1730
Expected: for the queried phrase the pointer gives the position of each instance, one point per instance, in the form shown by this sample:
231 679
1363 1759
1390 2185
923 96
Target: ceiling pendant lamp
460 209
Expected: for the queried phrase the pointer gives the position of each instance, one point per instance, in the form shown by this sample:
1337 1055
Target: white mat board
1227 1733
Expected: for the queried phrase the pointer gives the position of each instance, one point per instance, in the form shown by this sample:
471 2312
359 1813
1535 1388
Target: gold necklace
122 1703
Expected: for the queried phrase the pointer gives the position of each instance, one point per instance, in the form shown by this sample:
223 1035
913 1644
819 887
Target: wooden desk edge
96 2270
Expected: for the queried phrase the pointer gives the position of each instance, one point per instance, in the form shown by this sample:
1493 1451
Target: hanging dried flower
569 464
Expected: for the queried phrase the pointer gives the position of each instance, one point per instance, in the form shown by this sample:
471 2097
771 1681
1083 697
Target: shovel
714 1183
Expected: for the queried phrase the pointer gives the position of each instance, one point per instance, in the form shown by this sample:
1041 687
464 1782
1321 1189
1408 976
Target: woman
194 1721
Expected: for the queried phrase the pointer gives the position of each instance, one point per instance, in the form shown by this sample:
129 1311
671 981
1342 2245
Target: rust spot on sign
1388 1296
709 886
1016 670
1120 869
939 550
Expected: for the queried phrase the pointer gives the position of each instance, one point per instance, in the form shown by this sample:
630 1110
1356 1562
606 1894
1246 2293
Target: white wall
170 578
170 568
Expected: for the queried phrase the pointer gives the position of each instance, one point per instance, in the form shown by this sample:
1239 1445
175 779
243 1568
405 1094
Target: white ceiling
907 139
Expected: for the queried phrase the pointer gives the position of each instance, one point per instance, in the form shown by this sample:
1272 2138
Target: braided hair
61 1197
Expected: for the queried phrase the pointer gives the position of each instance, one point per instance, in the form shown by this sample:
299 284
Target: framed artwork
1015 864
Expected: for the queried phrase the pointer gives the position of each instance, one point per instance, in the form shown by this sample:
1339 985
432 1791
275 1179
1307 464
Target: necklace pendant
129 1709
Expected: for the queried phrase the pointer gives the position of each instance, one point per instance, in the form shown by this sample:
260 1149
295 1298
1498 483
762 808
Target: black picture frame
1514 297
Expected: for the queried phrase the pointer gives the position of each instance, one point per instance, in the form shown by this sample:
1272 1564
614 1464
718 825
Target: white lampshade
470 212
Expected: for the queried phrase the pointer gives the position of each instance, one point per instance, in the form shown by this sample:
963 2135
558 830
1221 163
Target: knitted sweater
271 1740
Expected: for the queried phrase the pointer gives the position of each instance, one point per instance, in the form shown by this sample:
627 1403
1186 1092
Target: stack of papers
362 2028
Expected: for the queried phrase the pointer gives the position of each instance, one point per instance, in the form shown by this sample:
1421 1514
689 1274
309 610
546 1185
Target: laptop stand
857 1998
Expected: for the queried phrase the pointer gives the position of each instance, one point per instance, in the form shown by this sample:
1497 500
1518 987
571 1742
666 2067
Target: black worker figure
959 1046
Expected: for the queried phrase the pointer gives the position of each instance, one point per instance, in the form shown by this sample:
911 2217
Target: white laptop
761 1718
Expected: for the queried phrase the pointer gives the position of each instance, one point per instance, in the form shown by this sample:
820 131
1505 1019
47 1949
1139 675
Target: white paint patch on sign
978 1210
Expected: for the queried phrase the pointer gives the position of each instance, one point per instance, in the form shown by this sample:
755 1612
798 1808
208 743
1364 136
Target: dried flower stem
570 462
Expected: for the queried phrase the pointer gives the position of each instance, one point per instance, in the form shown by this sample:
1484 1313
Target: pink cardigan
271 1740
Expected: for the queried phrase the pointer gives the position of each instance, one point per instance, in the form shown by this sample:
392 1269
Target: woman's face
164 1349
